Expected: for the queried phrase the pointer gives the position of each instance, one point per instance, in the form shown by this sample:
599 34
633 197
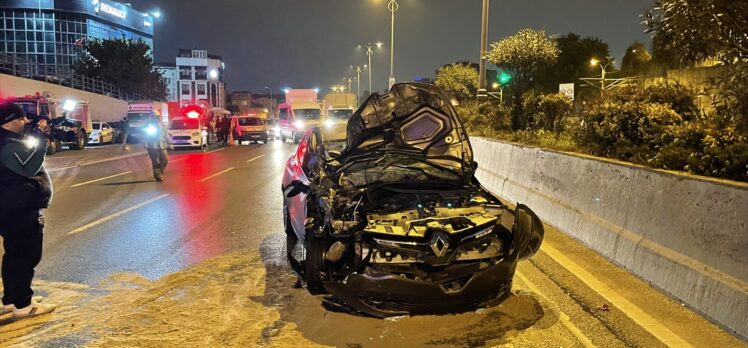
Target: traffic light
504 78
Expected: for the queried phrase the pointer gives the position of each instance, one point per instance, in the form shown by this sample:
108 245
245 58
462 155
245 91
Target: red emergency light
193 111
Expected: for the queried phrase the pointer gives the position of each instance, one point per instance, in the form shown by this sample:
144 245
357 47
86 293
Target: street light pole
272 114
482 93
594 62
392 6
358 82
369 52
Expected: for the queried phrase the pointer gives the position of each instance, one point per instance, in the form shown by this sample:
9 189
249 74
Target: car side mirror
295 188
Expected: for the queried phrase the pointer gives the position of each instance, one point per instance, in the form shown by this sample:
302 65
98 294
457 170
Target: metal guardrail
14 65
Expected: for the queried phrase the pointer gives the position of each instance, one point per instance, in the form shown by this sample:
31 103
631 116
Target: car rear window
185 124
250 121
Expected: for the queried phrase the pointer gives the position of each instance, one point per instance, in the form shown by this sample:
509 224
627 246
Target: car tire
316 267
296 140
51 148
101 140
283 137
80 142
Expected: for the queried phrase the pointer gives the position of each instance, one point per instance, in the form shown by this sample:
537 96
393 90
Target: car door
299 172
107 135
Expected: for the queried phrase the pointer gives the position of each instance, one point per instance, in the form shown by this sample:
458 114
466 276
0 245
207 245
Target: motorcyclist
154 139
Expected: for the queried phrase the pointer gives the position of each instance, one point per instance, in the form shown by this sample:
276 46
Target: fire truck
70 120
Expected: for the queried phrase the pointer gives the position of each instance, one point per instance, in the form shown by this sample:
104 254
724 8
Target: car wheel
317 268
528 230
101 140
283 137
80 142
296 140
51 148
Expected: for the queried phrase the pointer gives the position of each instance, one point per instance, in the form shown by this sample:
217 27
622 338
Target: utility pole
482 93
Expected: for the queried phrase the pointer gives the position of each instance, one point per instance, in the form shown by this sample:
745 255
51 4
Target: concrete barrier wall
686 235
102 108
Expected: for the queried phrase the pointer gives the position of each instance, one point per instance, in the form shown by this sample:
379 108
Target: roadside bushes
484 118
659 126
546 111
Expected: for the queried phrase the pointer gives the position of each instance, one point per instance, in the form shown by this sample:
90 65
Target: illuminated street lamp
156 14
596 62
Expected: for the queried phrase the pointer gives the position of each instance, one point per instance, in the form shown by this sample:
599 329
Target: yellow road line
639 316
101 179
563 317
252 159
216 174
110 217
96 162
216 150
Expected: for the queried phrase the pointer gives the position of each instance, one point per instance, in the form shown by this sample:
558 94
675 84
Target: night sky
312 43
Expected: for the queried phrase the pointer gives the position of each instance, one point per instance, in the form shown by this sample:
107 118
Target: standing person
157 144
153 137
25 189
225 125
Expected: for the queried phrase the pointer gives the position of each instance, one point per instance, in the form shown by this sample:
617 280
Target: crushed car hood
414 126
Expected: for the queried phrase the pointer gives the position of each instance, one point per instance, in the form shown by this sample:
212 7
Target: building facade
45 36
200 77
171 76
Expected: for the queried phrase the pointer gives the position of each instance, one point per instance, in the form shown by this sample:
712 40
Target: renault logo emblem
439 244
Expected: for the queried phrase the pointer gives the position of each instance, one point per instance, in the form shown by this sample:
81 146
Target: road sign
567 89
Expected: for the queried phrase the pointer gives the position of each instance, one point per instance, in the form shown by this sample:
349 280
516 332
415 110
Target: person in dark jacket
25 189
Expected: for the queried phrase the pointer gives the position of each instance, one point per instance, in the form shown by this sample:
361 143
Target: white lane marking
96 162
101 179
639 316
216 150
252 159
105 219
563 317
216 174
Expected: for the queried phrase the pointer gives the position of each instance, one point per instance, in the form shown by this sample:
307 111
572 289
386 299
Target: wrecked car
385 214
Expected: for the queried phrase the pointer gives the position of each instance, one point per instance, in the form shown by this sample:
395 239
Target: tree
573 61
701 29
459 79
522 55
124 63
637 60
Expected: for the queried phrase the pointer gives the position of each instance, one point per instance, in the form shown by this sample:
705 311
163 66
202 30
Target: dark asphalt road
206 206
198 260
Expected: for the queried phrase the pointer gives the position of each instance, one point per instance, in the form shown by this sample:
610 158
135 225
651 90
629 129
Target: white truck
300 111
339 107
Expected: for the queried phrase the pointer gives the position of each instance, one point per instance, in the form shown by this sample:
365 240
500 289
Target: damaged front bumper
383 295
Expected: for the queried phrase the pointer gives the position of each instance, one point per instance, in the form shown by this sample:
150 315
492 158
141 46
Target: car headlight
151 130
196 134
329 123
277 129
299 124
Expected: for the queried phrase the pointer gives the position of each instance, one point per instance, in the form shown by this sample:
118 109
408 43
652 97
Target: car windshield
97 126
188 123
306 114
250 121
343 114
138 116
28 106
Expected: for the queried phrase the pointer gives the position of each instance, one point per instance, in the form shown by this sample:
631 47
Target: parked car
386 215
249 128
102 133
